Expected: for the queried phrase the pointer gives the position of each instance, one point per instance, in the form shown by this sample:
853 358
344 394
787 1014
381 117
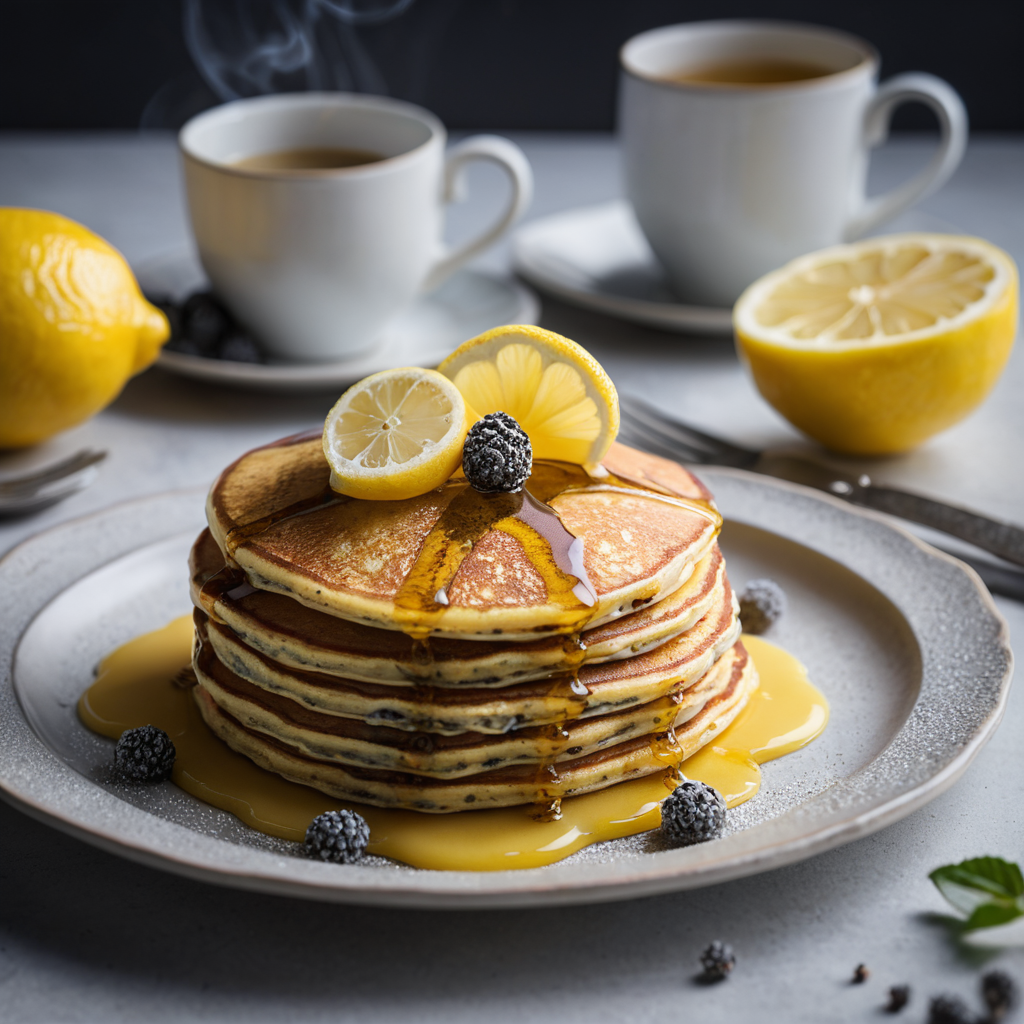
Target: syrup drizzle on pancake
554 552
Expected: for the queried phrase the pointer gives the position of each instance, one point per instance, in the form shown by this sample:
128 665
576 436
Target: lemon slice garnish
555 389
395 434
873 347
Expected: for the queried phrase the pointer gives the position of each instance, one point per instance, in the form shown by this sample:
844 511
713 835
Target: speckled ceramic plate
904 640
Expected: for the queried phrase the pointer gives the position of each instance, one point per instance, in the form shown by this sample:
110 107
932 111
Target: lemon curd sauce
149 680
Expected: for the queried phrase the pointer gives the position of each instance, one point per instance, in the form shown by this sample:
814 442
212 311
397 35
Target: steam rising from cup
244 48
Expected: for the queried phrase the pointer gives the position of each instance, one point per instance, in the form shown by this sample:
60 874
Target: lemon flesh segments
878 394
872 401
557 392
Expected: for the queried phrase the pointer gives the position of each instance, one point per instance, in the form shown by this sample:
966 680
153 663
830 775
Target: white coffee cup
729 181
315 262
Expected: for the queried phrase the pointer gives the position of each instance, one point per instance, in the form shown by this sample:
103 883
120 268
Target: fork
34 491
646 427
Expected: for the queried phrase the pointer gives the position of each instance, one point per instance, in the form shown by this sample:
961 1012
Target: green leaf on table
988 890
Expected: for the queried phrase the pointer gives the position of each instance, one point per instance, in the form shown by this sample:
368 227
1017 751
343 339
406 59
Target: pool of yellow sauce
135 686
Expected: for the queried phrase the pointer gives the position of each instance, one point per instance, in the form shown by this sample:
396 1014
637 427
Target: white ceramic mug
730 181
316 262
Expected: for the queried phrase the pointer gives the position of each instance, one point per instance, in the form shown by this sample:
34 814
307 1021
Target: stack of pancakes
438 654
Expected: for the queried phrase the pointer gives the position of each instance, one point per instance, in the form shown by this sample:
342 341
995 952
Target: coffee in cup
746 144
318 216
308 158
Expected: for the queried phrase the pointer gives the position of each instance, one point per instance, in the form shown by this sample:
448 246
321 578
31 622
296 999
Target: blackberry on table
692 813
762 604
337 836
899 996
145 754
949 1010
717 961
999 991
497 454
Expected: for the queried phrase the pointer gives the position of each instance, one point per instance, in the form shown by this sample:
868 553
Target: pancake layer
458 563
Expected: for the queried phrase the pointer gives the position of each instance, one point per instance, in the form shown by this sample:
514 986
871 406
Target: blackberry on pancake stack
456 650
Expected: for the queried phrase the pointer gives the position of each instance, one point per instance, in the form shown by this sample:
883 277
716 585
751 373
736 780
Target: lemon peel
74 325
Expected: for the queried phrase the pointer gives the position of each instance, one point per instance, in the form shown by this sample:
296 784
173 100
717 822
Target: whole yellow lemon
73 325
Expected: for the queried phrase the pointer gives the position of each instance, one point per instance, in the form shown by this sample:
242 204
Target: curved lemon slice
395 434
873 347
555 389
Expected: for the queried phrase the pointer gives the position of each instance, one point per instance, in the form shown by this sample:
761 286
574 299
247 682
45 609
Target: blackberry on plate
762 604
717 961
692 813
239 348
949 1010
145 754
204 320
999 991
337 836
497 454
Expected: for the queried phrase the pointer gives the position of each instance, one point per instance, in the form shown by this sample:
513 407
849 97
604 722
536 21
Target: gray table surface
87 936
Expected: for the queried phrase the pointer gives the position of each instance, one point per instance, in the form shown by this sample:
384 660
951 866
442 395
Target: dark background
502 64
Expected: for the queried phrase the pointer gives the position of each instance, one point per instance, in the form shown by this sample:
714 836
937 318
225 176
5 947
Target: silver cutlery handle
999 538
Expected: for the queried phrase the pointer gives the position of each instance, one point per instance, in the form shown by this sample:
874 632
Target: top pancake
304 638
456 563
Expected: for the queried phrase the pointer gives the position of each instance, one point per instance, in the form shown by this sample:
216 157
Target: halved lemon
395 434
555 389
873 347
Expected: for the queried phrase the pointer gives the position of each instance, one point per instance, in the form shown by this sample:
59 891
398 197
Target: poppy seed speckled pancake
456 563
596 689
501 787
304 638
353 742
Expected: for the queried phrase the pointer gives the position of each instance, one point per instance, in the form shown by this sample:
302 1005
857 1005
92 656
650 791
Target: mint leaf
988 890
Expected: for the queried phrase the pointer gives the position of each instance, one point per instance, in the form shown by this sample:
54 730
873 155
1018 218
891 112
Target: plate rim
212 860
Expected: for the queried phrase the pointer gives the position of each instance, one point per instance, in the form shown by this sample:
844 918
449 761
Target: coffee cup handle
949 108
512 160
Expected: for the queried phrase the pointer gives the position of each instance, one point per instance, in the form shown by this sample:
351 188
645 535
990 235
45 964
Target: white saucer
598 258
467 304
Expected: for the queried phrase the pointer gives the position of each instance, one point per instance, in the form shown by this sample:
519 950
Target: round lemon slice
395 434
555 389
873 347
